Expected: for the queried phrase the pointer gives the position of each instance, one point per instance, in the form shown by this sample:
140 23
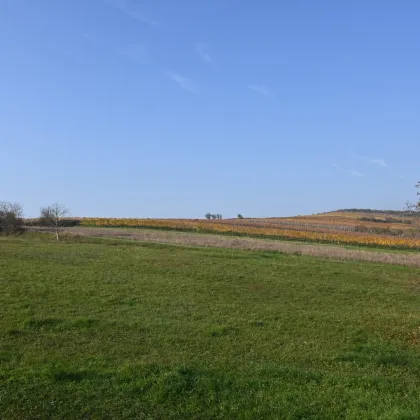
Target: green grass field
106 329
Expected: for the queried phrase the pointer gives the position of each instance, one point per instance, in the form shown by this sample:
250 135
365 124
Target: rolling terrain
357 228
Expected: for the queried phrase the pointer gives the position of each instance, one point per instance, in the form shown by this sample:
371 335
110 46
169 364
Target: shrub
11 218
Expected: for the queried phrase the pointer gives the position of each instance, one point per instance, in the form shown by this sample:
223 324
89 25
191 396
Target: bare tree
10 217
414 208
53 216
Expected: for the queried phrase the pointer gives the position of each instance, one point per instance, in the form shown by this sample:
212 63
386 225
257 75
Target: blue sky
132 108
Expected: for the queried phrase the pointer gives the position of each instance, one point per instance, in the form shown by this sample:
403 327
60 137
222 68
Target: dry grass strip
410 259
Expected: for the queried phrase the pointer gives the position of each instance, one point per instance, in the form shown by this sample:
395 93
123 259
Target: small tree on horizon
53 216
211 216
240 216
414 208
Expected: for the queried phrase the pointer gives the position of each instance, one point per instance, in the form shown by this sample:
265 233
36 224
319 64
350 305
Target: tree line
12 222
53 216
211 216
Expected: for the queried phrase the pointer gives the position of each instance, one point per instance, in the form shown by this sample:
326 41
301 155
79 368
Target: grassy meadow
112 329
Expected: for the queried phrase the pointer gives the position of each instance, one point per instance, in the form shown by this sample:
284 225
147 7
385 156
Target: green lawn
111 330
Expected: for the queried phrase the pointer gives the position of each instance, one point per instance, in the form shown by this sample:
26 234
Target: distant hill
370 211
359 220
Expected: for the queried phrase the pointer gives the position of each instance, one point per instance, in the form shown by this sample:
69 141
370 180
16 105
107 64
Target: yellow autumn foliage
208 226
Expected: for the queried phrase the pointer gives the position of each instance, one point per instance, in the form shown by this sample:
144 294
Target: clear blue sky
176 108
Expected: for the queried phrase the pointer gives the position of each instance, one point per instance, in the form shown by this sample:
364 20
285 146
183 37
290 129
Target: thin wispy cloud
137 53
183 82
261 89
133 10
379 163
201 50
355 173
348 171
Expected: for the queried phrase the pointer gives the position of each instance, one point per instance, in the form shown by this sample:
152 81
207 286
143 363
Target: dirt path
411 259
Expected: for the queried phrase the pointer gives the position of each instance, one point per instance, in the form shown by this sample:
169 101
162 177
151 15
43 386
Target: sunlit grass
109 329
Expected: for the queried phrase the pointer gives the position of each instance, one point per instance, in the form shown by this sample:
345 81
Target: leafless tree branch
53 216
